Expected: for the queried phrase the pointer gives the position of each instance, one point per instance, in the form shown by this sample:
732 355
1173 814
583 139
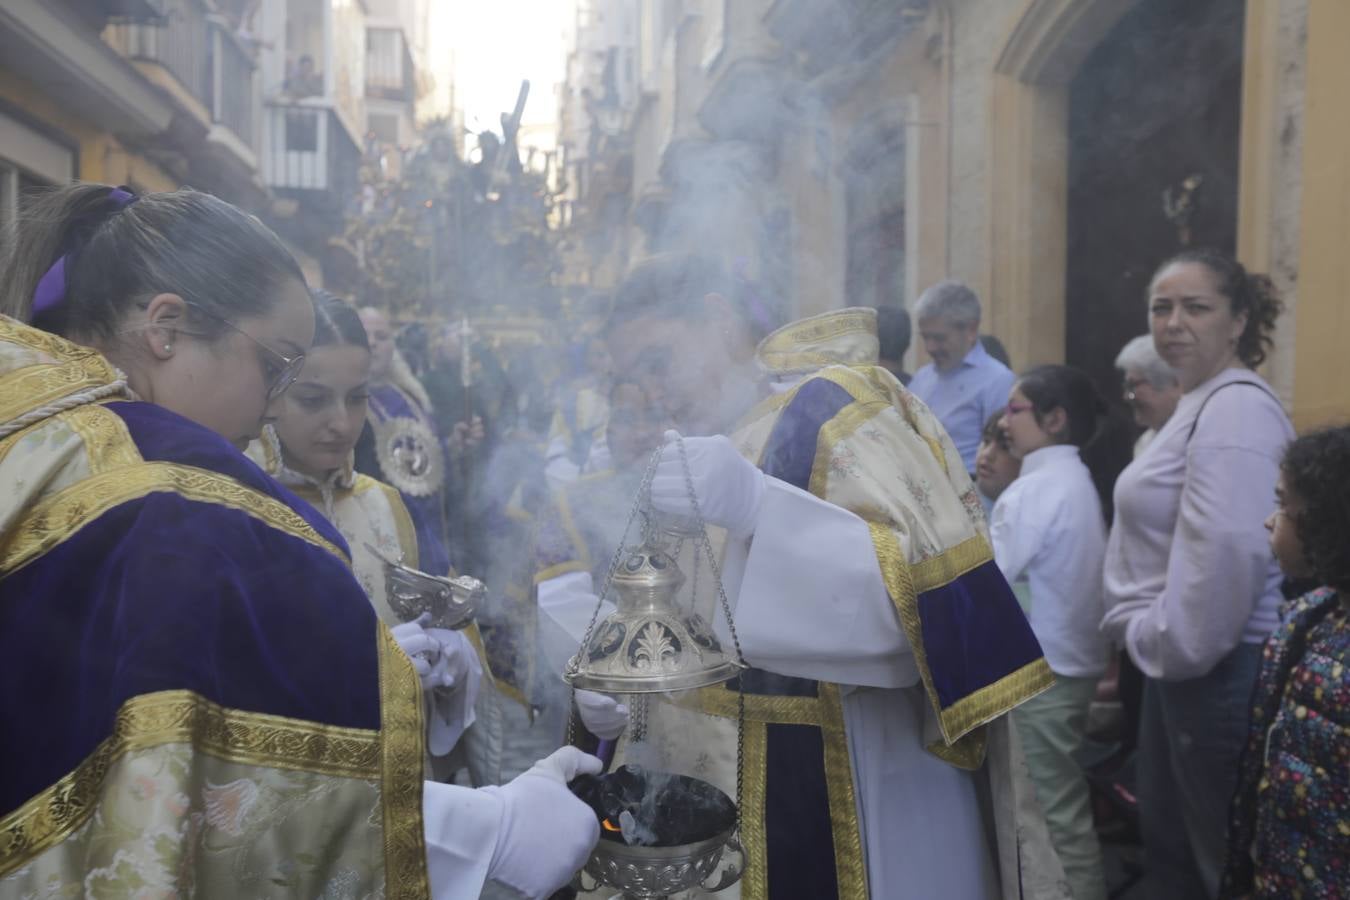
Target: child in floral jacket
1289 834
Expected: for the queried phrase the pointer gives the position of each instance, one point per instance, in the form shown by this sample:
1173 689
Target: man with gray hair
963 385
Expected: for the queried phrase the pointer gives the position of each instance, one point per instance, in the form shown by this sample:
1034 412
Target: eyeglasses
1013 409
279 370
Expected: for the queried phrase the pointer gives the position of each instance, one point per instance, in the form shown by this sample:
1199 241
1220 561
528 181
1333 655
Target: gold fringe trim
169 717
54 519
401 758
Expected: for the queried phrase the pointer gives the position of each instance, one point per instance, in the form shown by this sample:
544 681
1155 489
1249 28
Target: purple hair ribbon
51 288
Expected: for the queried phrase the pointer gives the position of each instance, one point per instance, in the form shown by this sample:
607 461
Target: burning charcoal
638 806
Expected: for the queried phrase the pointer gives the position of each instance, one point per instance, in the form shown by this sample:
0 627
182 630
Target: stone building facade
1048 152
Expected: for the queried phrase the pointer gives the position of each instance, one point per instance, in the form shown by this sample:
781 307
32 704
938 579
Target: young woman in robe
199 697
309 450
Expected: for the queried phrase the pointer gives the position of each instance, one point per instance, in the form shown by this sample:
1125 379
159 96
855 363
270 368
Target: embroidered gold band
54 519
826 713
167 717
72 369
401 761
990 701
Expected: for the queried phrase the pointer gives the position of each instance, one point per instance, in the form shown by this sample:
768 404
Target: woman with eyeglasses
199 698
1049 538
309 449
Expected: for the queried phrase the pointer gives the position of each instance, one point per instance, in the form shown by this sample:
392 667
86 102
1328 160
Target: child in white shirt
1049 539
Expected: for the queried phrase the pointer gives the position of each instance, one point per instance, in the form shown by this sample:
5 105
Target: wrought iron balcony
389 65
306 148
213 73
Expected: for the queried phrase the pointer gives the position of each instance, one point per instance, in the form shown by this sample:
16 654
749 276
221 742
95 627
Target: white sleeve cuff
812 602
461 832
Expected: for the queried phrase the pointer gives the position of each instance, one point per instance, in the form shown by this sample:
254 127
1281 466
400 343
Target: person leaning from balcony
1288 835
206 698
895 332
963 385
304 80
1049 539
1150 387
1192 589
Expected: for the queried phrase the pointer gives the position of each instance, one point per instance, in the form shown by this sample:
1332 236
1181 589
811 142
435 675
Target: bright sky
495 44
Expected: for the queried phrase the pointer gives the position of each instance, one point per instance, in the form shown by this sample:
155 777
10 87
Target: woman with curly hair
1289 835
1191 588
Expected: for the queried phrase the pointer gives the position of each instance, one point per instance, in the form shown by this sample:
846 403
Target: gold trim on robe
55 518
846 336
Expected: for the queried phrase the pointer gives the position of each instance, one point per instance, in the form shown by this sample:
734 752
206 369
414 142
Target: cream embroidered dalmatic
373 519
887 649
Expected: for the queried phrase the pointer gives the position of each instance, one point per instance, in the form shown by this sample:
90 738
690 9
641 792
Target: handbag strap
1256 384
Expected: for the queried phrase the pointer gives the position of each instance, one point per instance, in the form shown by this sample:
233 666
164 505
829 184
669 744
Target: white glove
603 716
459 674
729 487
546 833
457 657
423 649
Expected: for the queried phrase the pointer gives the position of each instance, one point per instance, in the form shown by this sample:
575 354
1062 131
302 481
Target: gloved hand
457 656
546 833
729 487
459 674
603 716
423 649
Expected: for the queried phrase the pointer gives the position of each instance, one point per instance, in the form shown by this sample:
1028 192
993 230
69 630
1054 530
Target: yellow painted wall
1322 342
102 157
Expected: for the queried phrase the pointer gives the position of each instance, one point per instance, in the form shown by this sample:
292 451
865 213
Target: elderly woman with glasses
1150 387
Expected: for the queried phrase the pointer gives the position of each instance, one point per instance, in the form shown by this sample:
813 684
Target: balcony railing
389 65
307 149
233 101
201 54
178 41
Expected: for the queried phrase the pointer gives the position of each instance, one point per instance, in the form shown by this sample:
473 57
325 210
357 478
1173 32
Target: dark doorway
1156 104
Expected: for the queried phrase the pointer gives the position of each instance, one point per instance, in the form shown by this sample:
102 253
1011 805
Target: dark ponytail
336 322
119 254
1089 425
1247 292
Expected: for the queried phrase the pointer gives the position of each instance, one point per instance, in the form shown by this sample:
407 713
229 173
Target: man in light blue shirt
963 385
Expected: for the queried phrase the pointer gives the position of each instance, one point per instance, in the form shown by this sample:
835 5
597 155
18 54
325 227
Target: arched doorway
1153 139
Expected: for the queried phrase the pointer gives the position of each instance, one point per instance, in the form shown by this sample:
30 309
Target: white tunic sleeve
461 826
811 601
566 606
